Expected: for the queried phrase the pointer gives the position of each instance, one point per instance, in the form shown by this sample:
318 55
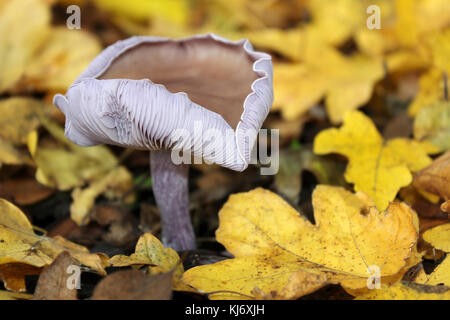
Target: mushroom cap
204 94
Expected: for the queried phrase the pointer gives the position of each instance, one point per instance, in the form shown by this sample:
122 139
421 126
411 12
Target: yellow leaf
7 295
408 291
65 55
346 82
433 124
271 242
150 252
173 11
19 117
10 155
118 179
439 237
439 276
66 168
24 26
19 244
377 167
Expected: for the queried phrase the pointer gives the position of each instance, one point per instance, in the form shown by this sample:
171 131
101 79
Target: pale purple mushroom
143 92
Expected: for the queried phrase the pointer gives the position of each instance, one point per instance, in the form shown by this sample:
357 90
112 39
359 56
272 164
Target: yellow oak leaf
20 245
150 252
271 242
408 291
377 167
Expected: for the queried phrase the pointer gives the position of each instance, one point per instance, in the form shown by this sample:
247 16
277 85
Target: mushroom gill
215 75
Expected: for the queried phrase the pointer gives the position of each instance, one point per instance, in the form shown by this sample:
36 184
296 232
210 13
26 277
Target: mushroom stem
170 188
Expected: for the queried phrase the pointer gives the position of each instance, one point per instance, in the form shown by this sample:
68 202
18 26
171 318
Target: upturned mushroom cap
140 91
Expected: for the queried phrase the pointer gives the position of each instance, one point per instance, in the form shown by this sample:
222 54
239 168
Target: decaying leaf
379 168
271 242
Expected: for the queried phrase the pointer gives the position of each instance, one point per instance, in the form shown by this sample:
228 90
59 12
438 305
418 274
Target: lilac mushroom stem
170 188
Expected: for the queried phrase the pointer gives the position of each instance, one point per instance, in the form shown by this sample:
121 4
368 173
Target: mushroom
152 93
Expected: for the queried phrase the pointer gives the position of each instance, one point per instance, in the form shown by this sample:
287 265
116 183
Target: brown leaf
436 177
24 191
134 285
52 283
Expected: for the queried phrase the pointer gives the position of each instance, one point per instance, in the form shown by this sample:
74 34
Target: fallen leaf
116 182
53 281
408 291
24 191
346 83
445 206
10 155
19 244
57 64
271 241
134 285
150 252
22 32
377 167
435 177
13 275
439 276
19 118
72 166
433 124
8 295
439 237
